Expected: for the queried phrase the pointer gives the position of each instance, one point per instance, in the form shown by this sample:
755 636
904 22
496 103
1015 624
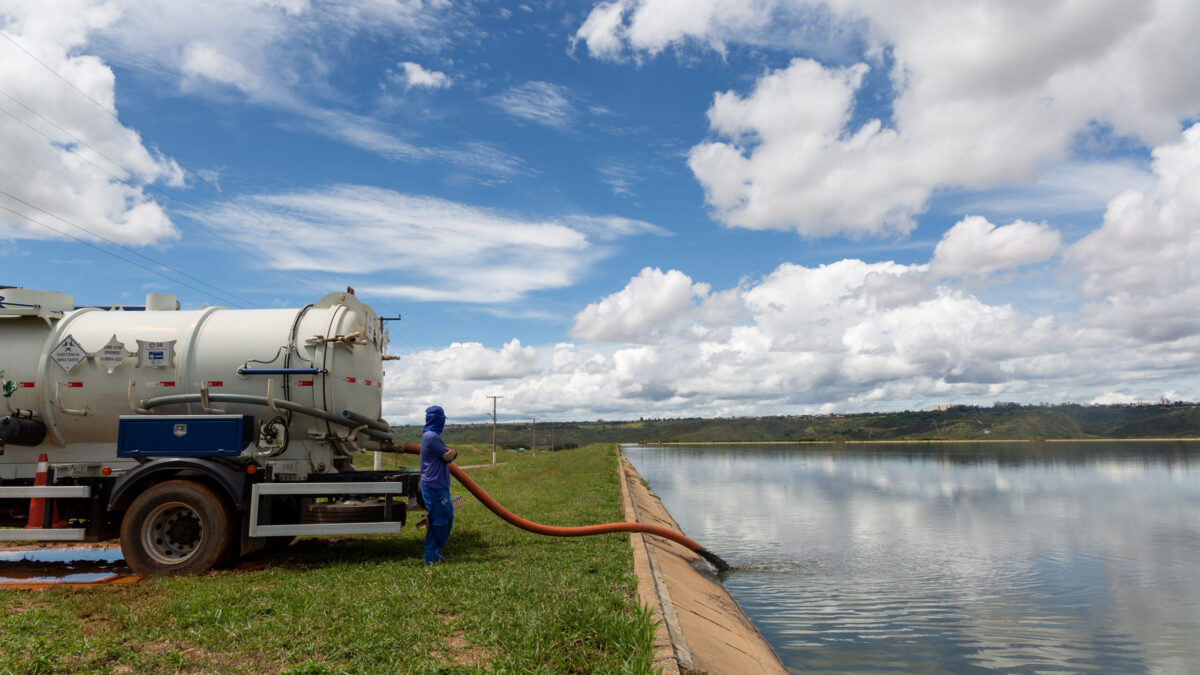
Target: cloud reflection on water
998 556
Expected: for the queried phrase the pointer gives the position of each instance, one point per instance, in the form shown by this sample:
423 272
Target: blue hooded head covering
435 419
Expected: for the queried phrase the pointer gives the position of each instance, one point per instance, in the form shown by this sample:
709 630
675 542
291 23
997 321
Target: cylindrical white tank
78 370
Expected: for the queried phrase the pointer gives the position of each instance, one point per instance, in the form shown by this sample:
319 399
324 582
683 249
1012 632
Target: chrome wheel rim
171 533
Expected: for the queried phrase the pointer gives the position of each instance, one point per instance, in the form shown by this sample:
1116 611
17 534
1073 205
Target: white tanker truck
193 436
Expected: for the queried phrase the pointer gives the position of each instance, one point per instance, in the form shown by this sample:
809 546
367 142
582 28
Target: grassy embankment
508 601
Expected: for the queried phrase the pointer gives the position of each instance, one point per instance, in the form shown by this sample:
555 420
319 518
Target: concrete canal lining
701 627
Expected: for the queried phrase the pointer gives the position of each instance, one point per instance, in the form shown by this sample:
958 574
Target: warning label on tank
112 354
155 354
68 354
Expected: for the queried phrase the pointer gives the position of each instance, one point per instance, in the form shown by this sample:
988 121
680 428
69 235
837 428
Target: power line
51 123
113 115
218 289
98 248
55 73
245 248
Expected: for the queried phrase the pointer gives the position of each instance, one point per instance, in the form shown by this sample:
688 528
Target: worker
435 484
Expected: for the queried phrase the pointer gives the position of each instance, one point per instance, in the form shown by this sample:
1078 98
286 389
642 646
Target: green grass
509 602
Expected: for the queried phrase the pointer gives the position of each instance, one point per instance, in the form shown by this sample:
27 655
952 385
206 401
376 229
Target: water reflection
67 565
1038 557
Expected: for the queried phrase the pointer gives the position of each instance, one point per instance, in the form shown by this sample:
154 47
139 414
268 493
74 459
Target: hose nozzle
713 558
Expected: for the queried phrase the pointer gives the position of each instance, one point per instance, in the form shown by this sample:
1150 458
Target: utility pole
534 435
494 426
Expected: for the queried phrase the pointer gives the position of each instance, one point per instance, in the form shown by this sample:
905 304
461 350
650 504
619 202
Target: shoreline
701 628
909 441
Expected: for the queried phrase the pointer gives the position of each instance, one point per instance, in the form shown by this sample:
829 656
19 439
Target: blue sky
636 208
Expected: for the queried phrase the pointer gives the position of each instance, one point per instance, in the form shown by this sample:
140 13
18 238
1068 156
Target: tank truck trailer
194 436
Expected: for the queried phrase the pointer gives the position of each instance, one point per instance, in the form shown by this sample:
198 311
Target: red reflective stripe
214 383
351 380
367 382
26 385
160 384
304 383
74 385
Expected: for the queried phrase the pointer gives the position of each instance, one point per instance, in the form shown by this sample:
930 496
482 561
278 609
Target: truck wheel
176 528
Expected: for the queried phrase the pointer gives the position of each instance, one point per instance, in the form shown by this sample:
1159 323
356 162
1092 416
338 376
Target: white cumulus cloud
790 163
473 361
414 75
652 304
971 107
69 161
1141 267
857 335
976 248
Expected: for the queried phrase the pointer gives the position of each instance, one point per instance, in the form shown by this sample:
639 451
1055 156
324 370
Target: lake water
1016 557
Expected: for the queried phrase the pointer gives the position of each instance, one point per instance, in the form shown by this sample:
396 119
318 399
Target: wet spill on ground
71 566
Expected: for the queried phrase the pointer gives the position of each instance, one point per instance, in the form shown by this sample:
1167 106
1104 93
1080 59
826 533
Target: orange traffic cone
37 505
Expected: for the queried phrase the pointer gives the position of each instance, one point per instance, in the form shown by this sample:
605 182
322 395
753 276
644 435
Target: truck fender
231 481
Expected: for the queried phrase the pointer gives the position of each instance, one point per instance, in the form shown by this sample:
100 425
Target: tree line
1005 421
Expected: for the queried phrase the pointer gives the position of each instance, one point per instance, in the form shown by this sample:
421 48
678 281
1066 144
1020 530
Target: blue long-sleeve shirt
435 471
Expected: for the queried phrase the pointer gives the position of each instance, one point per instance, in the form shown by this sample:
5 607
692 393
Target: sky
636 208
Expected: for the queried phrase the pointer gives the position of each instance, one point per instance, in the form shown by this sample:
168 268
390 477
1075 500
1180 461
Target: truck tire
178 528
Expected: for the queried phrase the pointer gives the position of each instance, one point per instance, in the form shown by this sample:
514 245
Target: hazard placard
68 354
112 354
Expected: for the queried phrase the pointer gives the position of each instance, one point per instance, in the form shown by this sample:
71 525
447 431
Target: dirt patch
457 649
461 652
200 660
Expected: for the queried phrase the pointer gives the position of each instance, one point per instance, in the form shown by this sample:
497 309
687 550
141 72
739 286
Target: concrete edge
701 628
665 659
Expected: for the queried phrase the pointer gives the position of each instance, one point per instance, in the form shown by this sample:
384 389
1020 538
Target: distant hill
999 422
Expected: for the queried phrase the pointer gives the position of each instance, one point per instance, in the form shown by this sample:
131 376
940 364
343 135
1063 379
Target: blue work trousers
441 518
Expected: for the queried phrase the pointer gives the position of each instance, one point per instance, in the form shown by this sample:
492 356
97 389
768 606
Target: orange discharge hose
580 531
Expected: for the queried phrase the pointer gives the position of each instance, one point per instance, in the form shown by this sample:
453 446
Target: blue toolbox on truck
183 435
